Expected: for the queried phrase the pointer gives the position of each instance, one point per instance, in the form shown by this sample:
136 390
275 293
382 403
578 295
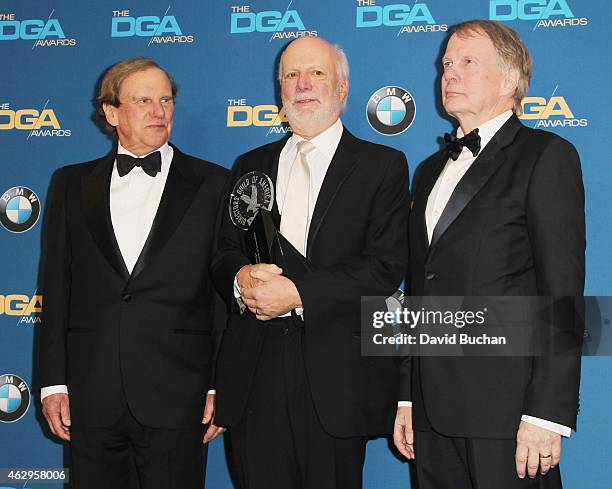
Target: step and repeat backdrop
223 54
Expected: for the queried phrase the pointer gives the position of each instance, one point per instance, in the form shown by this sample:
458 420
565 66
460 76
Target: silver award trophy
250 206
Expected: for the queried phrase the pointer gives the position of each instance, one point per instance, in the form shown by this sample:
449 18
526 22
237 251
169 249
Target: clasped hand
266 292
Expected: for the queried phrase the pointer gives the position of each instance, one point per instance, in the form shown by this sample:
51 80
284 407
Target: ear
110 112
344 88
510 83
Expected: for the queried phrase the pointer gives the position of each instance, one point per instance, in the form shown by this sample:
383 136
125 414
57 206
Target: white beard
311 121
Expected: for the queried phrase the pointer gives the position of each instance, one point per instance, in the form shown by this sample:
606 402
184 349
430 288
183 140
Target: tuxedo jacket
145 338
358 244
514 226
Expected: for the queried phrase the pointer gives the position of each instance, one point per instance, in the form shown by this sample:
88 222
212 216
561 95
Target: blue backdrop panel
223 56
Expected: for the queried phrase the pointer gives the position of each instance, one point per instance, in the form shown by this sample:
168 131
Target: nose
157 109
304 82
450 74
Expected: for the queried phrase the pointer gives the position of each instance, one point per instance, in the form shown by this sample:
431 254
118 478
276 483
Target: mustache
299 98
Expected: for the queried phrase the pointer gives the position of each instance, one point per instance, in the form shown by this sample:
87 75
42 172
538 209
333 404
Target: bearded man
299 399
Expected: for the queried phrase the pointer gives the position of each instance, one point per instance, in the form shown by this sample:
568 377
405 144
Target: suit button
127 298
431 276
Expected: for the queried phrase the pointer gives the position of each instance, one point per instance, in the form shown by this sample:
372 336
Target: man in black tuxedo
299 398
130 315
500 212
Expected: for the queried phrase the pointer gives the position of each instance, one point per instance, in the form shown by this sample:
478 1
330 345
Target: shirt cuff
236 288
237 296
53 389
548 425
212 391
404 403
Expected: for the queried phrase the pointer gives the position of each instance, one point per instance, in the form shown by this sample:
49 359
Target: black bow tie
151 164
471 141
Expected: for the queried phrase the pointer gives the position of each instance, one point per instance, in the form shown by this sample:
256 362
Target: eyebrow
446 58
149 96
307 68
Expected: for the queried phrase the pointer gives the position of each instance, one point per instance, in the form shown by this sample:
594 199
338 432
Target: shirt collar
487 130
165 150
326 142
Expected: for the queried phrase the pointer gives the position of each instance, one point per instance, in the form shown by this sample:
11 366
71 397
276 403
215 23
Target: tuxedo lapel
95 199
487 163
426 183
180 190
270 168
339 169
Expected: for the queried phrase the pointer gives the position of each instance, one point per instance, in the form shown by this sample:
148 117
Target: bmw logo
14 398
391 110
19 209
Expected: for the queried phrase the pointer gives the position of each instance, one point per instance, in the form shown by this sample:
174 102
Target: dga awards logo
19 209
550 112
546 13
37 122
159 29
391 110
43 32
280 25
407 18
27 308
14 398
241 114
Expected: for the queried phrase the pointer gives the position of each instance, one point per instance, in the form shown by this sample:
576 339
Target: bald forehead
309 48
310 43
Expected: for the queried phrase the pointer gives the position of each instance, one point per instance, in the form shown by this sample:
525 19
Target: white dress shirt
134 199
325 145
452 173
319 160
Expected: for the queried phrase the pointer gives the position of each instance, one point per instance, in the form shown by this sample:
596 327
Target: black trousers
472 463
279 442
128 455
